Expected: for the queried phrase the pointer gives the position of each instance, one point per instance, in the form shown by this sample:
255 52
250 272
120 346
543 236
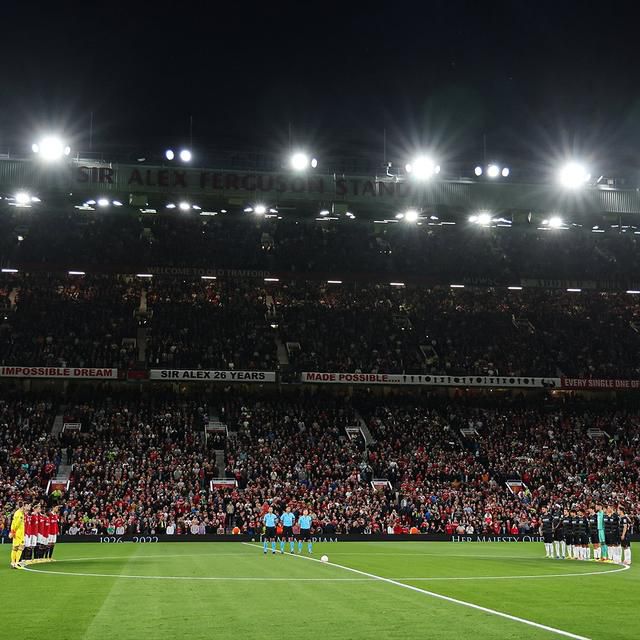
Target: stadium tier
234 324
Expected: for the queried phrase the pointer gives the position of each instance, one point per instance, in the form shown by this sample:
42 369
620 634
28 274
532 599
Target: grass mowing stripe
439 596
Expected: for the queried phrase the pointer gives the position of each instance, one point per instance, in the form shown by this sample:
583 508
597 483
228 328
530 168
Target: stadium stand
144 465
235 323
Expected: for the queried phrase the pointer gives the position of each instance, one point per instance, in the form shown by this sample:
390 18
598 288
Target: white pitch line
439 596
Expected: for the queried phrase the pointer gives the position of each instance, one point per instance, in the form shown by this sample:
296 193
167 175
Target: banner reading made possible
206 375
58 372
426 380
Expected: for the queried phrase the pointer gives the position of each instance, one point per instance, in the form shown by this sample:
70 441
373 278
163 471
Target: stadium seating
144 465
240 324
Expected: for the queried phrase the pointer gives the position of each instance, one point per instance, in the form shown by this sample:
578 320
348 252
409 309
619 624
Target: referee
304 522
287 519
270 519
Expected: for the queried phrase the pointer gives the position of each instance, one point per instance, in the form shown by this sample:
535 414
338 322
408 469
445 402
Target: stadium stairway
58 424
366 434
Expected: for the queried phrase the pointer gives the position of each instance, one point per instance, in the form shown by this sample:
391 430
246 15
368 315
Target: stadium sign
400 379
58 372
206 375
599 384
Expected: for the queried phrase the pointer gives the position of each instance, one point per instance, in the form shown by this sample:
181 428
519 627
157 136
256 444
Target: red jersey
28 524
43 526
35 524
53 524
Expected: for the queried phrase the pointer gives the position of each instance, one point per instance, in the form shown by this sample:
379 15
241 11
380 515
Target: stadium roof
76 182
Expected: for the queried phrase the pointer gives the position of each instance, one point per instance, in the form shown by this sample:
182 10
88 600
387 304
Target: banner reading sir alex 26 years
207 375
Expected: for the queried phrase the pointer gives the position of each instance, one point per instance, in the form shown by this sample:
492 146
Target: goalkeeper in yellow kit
16 533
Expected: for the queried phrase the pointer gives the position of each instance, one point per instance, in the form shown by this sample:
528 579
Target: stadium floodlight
396 284
144 275
76 273
478 171
103 202
505 172
185 155
456 286
8 270
22 197
117 203
515 288
493 171
573 175
20 238
411 215
314 163
555 222
171 206
51 148
634 292
169 154
422 168
300 161
184 206
339 282
484 218
260 209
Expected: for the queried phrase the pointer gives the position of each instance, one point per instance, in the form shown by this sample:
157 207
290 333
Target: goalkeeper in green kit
601 533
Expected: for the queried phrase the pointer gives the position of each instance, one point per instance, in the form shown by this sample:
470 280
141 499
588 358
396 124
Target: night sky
533 79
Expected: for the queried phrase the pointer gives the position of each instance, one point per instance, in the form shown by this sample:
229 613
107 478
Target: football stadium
351 403
363 375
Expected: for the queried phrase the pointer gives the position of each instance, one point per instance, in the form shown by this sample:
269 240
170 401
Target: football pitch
367 590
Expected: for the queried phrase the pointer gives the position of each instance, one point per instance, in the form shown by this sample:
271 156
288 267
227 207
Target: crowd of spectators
60 321
235 323
143 465
209 325
386 329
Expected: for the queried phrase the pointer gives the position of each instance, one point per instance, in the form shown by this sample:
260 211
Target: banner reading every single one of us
58 372
599 384
206 375
426 380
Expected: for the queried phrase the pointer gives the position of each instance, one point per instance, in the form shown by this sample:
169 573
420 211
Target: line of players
281 528
35 539
573 533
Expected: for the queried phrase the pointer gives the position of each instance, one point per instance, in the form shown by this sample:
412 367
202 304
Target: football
324 559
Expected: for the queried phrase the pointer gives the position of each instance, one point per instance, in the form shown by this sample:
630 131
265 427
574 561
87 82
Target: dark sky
535 78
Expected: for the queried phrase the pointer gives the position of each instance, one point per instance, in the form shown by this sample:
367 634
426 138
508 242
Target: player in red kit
43 536
30 537
36 514
53 530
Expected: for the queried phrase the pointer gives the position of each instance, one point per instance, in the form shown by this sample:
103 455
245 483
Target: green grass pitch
231 590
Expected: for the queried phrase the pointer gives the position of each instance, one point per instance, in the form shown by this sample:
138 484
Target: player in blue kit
288 520
270 519
304 522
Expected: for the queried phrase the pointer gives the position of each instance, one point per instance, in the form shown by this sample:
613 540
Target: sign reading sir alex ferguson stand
399 379
206 375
